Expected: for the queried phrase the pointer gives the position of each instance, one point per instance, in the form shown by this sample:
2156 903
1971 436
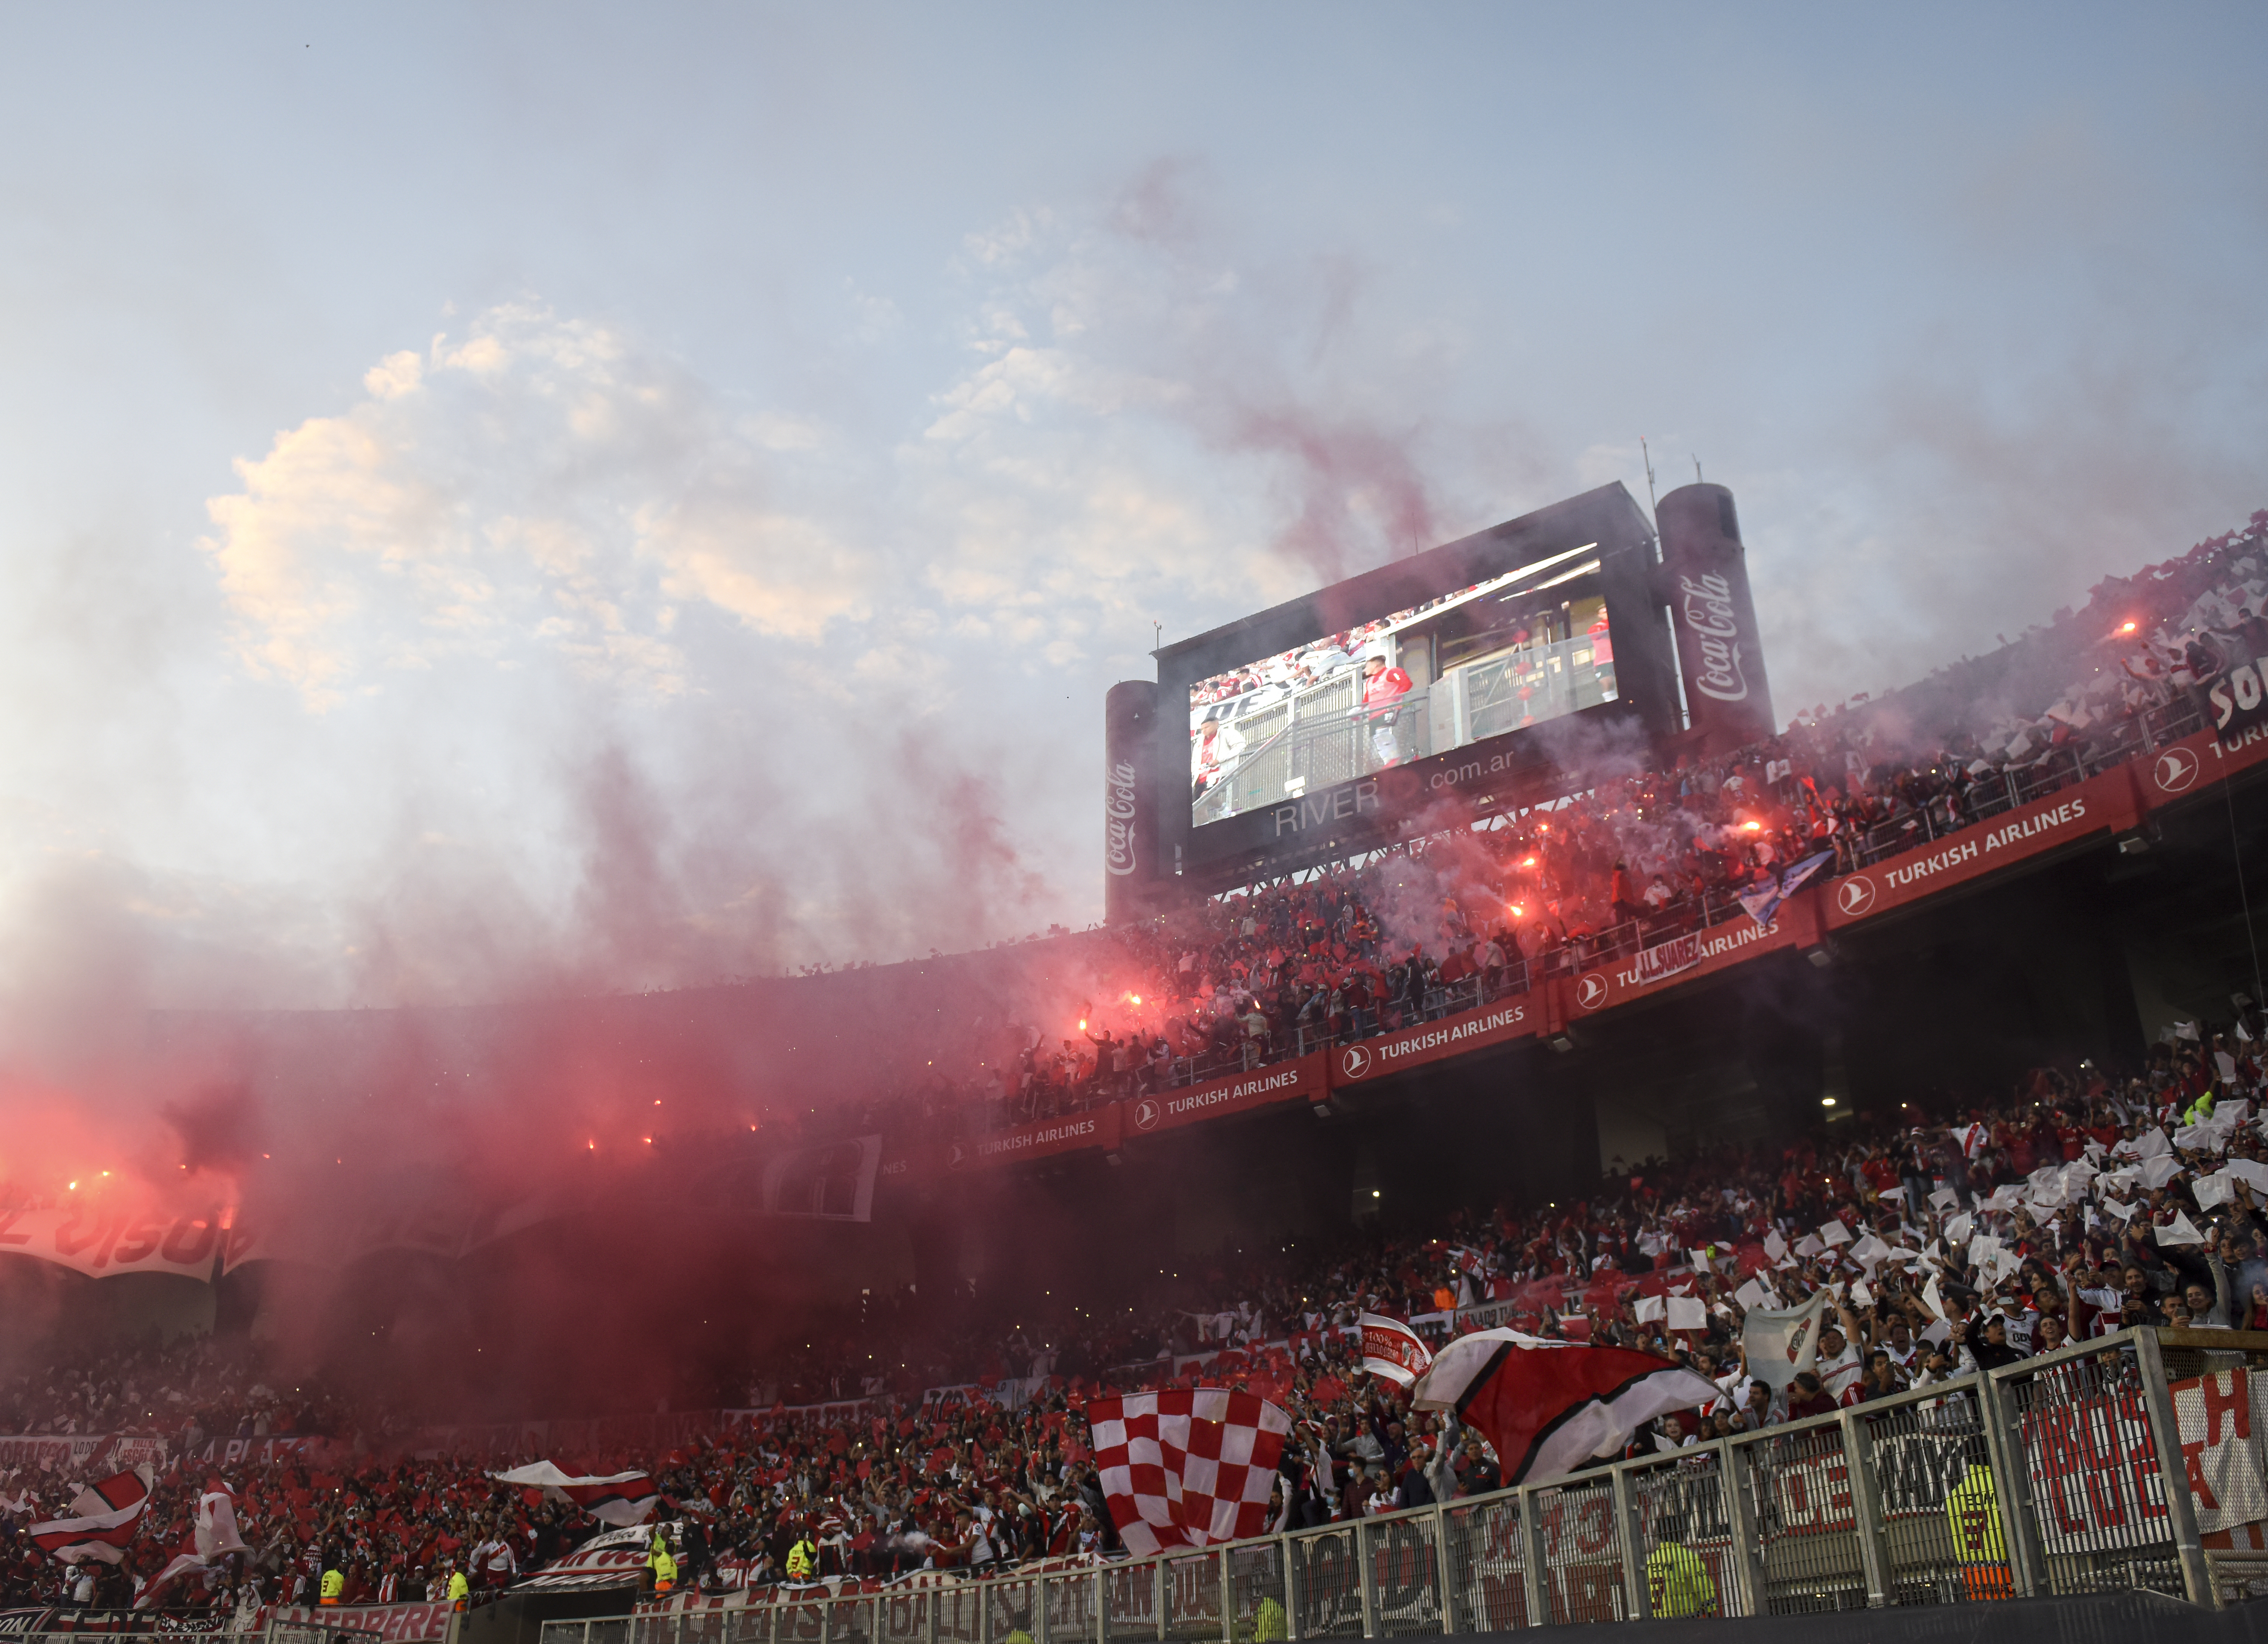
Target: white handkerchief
1833 1232
2180 1232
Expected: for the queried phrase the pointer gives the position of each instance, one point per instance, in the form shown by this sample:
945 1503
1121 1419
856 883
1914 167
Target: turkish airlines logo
1855 895
1356 1061
1590 992
958 1157
1148 1113
2176 769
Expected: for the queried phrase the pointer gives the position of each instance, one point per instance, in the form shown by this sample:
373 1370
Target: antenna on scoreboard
1652 505
1696 470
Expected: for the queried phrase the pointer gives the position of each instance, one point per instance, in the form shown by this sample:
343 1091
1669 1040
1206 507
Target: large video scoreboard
1438 686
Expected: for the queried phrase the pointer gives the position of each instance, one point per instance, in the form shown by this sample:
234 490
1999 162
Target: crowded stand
2086 1200
2082 1204
1644 852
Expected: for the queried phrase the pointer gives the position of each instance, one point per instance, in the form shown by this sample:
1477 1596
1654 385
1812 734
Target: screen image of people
1491 657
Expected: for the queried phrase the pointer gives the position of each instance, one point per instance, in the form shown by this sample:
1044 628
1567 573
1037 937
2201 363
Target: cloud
541 484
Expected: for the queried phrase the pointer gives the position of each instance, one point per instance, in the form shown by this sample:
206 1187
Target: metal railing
2056 1476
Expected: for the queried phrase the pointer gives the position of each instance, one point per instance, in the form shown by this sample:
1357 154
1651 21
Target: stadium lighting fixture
1826 1102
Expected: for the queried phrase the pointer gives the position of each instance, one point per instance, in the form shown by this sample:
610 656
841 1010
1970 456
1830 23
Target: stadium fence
2092 1469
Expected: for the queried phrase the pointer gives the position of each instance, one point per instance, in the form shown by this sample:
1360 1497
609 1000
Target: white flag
1781 1343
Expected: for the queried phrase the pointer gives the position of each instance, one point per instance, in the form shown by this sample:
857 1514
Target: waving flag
1548 1406
617 1499
108 1511
1393 1350
1762 899
1186 1467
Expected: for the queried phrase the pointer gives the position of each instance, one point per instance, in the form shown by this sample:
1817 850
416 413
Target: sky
505 500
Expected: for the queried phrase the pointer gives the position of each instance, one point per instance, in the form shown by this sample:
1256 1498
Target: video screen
1499 656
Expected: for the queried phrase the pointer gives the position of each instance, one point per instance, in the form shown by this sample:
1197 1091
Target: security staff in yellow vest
802 1557
333 1586
1972 1513
661 1563
460 1590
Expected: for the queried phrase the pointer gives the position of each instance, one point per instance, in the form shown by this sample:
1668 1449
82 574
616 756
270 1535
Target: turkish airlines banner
399 1624
2100 803
2196 762
100 1243
1096 1128
1508 1019
1621 982
1302 1080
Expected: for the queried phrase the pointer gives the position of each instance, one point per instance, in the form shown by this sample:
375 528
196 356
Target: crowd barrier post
1365 1569
1531 1531
1741 1512
2019 1513
2158 1400
1633 1539
1444 1566
1866 1509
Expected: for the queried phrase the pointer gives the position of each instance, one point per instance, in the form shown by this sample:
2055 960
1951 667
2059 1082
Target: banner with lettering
1098 1127
1668 959
1299 1080
81 1453
103 1242
2100 804
1518 1017
398 1624
1607 983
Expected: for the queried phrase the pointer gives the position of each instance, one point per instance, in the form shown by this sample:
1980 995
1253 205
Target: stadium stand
2081 1206
2084 1202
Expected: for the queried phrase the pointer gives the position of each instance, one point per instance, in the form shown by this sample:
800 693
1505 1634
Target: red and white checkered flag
1186 1468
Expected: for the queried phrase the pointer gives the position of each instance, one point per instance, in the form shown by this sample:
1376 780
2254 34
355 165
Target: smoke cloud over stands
583 592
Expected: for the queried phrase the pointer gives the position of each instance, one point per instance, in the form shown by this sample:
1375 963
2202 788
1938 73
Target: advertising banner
1098 1127
1611 983
1521 1017
2192 765
2100 804
1301 1081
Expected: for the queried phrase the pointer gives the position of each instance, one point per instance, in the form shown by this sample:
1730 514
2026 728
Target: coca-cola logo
1118 805
1716 629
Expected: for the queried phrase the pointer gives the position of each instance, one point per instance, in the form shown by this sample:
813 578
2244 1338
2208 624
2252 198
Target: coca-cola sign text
1709 615
1118 826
